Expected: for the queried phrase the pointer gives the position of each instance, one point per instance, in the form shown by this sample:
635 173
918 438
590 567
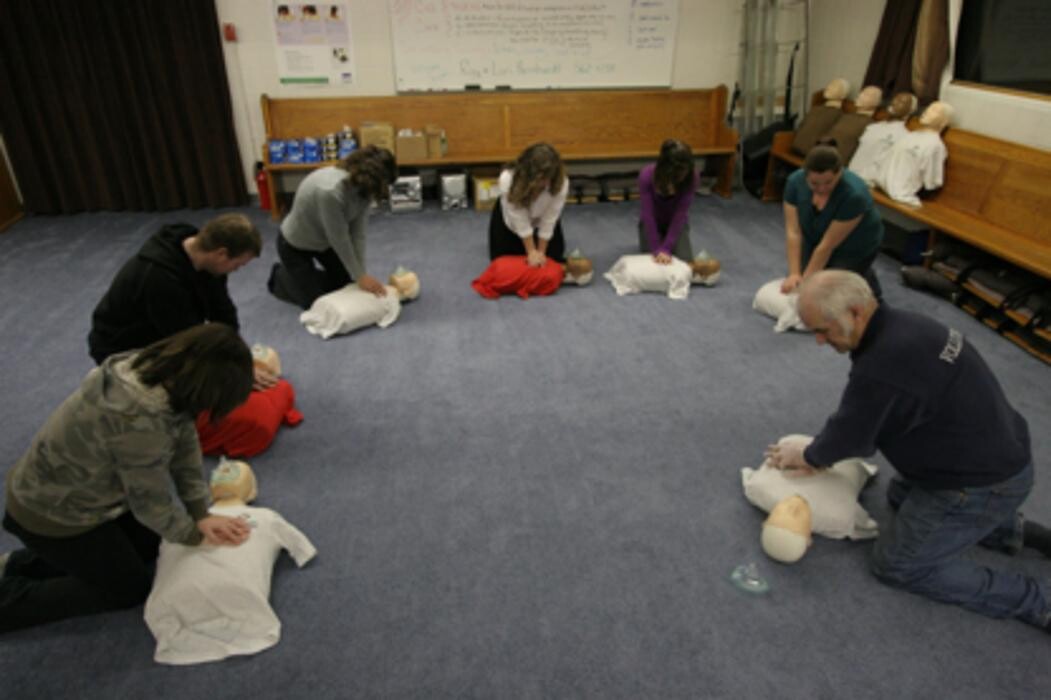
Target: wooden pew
996 197
491 128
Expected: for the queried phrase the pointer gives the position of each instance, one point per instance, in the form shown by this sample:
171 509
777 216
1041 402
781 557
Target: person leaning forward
175 281
923 396
116 468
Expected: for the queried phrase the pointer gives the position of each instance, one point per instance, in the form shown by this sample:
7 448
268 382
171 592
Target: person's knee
898 571
128 592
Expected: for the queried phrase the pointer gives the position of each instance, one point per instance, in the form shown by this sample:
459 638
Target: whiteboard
532 44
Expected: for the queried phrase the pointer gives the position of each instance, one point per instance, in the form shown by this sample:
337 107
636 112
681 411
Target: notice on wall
313 43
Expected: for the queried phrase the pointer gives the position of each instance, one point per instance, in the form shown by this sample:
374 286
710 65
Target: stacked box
311 150
436 143
486 191
293 151
379 134
412 146
406 194
276 150
454 191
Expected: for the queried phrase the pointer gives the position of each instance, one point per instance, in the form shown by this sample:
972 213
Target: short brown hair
203 368
537 162
235 232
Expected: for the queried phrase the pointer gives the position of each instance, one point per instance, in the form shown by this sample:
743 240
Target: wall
705 56
841 40
842 50
841 36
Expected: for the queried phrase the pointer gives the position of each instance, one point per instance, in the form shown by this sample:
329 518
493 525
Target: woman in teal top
830 220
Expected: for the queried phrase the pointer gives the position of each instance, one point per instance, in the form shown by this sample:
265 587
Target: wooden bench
996 197
491 128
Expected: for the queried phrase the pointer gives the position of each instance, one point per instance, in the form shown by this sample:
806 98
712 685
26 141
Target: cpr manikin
579 269
786 531
705 269
836 91
868 100
819 119
351 307
251 427
209 602
917 160
513 274
632 274
878 139
825 503
849 126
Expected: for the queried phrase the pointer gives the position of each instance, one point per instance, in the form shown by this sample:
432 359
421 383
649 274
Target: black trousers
504 241
107 568
304 275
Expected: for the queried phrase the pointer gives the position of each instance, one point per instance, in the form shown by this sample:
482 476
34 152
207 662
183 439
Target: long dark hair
203 368
674 169
372 171
536 163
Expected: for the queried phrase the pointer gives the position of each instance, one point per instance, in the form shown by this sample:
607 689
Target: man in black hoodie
923 396
175 281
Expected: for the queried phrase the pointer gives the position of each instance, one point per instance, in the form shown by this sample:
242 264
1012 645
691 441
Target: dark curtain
890 66
117 105
931 53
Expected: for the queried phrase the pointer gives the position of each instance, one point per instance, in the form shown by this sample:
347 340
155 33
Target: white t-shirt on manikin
209 603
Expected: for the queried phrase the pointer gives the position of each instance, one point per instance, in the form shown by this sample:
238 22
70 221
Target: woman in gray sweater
116 467
326 228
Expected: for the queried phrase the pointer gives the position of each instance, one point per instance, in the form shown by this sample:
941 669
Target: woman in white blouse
526 218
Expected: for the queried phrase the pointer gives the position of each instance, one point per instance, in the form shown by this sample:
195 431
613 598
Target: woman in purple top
666 191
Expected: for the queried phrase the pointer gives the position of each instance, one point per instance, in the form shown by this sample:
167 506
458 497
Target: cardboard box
412 146
436 143
377 134
486 191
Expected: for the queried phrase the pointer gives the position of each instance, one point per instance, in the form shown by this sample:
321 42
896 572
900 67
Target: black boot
275 286
1036 536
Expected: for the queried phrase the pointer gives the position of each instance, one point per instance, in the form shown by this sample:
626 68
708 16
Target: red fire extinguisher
262 186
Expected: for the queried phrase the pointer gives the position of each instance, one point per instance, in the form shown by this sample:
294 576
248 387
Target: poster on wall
313 43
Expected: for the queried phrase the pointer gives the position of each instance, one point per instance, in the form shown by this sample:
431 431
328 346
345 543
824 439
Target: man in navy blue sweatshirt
923 396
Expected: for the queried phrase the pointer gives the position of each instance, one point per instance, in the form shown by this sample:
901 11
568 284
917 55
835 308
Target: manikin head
837 91
576 264
786 531
869 99
836 305
266 357
577 269
406 282
233 482
704 265
936 116
903 104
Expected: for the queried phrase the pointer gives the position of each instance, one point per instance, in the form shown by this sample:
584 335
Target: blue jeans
920 550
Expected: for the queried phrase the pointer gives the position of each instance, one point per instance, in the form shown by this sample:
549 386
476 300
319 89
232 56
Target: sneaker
3 562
